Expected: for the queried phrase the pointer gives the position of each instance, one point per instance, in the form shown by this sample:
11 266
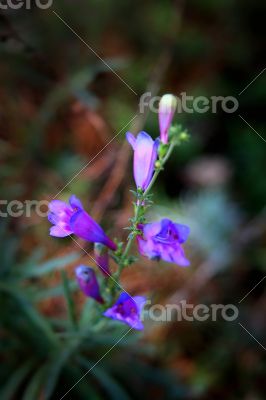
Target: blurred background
60 105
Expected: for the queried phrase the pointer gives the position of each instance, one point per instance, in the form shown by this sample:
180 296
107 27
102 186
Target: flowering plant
156 240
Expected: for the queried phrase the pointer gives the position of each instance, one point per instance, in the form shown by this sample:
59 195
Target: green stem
69 301
142 198
157 171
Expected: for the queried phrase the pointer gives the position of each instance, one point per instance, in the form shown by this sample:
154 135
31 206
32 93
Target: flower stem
158 170
140 205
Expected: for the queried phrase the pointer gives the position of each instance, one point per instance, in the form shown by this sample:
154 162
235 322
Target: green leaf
38 294
85 388
69 301
53 374
34 387
88 313
9 389
49 266
113 389
29 310
34 258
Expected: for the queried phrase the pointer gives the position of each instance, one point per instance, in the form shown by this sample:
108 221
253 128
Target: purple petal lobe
57 231
152 229
183 232
58 206
131 139
59 215
127 309
162 240
75 203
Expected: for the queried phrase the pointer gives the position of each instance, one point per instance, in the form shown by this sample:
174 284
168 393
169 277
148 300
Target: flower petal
58 231
162 240
183 232
131 139
84 226
58 206
148 249
140 302
152 229
144 159
75 203
180 258
127 309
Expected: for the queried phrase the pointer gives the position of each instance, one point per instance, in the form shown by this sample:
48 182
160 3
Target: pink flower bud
167 107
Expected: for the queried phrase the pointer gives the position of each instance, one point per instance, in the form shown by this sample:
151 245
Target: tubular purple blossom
145 155
88 282
72 218
127 309
162 240
167 107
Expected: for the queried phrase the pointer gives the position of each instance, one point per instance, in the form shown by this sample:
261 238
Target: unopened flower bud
183 136
88 282
167 107
102 258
